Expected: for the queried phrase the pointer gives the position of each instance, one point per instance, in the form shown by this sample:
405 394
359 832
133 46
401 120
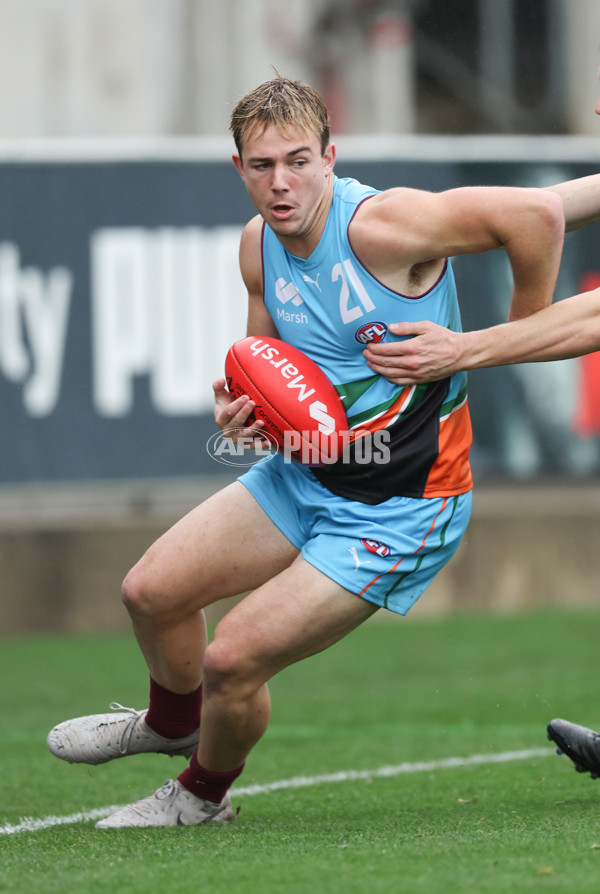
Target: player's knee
226 669
138 594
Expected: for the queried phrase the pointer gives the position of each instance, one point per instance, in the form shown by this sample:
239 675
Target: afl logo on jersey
376 547
375 331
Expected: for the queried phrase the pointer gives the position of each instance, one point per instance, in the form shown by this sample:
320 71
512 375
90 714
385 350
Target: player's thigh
223 547
296 614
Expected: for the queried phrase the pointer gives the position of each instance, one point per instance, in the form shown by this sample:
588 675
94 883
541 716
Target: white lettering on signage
166 304
34 311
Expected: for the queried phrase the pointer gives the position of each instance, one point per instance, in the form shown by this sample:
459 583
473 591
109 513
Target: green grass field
397 694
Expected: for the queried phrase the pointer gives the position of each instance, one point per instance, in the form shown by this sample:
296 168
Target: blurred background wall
120 217
175 67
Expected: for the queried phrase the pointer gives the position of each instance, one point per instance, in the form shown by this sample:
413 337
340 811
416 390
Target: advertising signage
120 293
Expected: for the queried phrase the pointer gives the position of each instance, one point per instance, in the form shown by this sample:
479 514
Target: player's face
290 182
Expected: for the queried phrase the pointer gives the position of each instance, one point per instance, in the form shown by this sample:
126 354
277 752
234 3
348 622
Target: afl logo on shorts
375 331
377 547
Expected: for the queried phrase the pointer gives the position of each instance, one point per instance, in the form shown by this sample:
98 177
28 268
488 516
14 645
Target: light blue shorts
388 553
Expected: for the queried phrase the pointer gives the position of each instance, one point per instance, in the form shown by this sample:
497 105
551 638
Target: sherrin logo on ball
298 404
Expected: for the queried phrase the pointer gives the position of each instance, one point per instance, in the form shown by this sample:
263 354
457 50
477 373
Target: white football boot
99 738
170 805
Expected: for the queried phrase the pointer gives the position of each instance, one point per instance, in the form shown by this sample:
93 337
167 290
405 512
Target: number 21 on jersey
346 272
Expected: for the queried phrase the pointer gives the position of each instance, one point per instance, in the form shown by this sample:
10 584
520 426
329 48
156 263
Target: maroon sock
173 715
207 784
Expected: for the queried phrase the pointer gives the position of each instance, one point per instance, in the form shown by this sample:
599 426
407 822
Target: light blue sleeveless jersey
330 307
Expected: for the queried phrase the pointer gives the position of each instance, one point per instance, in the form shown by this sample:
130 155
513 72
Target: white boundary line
448 763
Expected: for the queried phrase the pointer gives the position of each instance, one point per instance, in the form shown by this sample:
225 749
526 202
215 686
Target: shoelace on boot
129 728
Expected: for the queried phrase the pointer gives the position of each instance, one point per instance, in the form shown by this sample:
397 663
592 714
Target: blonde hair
283 103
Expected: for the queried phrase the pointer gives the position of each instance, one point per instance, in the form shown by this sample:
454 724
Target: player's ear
329 157
237 160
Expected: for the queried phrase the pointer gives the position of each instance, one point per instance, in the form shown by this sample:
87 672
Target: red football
298 404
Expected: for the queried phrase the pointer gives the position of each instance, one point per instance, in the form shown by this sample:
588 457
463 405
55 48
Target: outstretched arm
527 223
581 200
567 328
403 230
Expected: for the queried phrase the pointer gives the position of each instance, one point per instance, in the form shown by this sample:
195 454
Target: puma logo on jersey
314 282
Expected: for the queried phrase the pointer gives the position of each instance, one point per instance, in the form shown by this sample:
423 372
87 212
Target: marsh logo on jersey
287 291
368 332
376 547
